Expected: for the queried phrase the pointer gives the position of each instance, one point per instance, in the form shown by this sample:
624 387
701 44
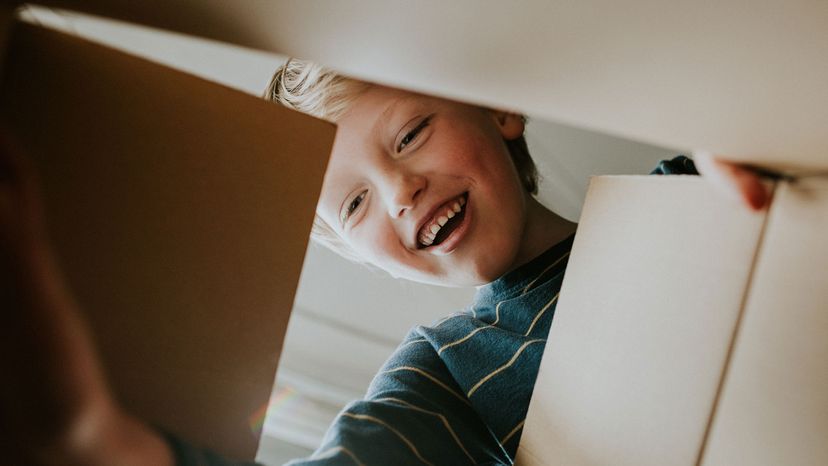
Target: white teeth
428 234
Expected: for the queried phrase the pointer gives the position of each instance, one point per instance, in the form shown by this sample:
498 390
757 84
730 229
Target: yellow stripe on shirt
402 437
503 367
537 317
473 332
512 432
529 286
429 377
434 413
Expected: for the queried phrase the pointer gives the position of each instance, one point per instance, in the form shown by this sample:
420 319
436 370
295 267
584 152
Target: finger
741 184
752 189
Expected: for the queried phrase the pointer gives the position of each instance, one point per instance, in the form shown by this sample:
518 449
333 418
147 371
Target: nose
401 190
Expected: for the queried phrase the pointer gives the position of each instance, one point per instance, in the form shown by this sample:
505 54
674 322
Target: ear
511 125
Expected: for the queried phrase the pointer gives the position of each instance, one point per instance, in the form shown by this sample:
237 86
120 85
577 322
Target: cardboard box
746 79
180 211
688 331
773 406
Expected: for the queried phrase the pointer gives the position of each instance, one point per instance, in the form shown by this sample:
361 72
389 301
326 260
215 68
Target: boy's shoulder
425 341
679 165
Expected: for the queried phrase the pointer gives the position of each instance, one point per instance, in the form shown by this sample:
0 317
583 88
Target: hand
739 182
55 405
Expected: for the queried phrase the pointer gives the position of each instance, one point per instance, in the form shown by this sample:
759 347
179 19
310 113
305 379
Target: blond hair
313 89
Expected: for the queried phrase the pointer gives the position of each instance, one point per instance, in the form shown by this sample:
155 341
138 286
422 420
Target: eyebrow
381 125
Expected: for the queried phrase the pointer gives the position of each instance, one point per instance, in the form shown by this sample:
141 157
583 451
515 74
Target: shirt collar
531 273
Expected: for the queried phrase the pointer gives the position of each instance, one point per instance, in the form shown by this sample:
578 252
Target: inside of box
55 172
669 74
165 198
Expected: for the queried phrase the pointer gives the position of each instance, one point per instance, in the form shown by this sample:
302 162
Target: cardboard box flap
651 297
7 14
742 79
774 404
180 211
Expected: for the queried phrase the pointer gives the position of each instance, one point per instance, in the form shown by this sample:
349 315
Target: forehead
377 105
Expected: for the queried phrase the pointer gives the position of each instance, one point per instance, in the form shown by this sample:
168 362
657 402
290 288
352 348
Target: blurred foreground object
166 199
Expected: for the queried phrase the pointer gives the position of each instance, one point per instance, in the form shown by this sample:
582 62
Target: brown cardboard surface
180 211
651 297
774 403
6 19
745 79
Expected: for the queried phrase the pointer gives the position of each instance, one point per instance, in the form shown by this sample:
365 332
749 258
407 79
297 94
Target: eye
412 135
352 206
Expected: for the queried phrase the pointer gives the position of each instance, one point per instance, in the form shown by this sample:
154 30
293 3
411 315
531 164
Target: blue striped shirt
456 392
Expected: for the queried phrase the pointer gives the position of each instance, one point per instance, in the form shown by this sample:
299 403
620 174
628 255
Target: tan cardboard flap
181 211
774 404
651 297
745 79
6 20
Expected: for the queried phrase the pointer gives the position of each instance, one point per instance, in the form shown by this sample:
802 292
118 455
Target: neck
543 230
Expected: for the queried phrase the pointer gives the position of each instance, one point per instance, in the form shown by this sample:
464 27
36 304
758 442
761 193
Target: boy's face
404 163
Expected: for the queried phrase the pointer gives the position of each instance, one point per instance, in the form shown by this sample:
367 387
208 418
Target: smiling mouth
446 219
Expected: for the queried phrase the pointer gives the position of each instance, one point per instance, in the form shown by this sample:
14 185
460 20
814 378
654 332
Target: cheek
383 249
377 241
465 151
484 158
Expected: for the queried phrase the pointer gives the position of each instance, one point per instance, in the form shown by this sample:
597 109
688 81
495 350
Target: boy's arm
414 413
680 165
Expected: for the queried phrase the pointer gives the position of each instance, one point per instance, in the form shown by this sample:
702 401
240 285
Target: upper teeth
428 233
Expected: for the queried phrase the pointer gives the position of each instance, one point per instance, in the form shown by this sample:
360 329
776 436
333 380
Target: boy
424 188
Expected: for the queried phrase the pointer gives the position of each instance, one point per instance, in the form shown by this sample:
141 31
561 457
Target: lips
442 222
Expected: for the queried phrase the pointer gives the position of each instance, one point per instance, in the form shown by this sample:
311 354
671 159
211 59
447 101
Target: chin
488 268
459 277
